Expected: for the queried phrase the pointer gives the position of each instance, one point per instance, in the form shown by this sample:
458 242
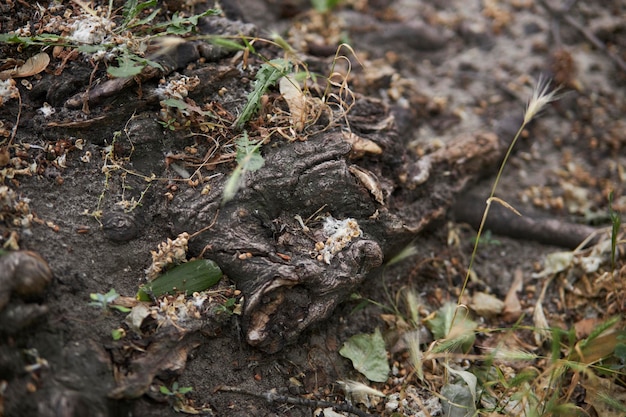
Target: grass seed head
540 98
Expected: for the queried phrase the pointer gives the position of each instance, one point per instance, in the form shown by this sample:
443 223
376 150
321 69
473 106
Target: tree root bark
469 209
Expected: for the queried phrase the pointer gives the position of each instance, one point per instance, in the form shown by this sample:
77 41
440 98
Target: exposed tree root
502 221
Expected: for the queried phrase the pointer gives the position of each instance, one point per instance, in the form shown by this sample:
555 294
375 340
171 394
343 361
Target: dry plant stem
204 229
273 397
486 212
539 99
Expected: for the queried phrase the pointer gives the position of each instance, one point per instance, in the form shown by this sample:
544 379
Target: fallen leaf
296 100
512 306
136 316
555 263
457 401
368 355
584 327
486 305
166 353
361 146
33 65
469 378
599 348
541 324
605 396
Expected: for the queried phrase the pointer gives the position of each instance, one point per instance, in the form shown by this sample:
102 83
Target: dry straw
541 97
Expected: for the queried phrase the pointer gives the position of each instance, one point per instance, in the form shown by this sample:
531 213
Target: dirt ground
443 69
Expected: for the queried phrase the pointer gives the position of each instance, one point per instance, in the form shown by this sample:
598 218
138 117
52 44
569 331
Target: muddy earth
397 143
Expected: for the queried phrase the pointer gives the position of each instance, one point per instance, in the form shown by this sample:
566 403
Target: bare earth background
443 68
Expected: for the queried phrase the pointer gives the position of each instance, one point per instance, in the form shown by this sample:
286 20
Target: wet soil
441 72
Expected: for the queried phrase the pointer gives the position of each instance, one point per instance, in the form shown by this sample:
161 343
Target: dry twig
273 397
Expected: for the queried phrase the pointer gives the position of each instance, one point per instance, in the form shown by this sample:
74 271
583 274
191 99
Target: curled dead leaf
361 146
512 306
370 181
296 100
33 65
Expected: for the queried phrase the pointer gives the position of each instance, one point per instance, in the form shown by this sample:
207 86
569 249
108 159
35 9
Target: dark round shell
25 274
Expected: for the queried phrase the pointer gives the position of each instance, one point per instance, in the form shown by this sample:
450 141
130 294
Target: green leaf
151 63
368 355
182 25
130 65
249 159
175 103
121 309
178 25
187 278
267 76
620 351
111 296
442 322
145 20
13 38
117 334
232 185
453 330
103 299
132 9
165 390
185 390
468 377
324 6
89 49
43 39
227 43
457 401
127 67
249 154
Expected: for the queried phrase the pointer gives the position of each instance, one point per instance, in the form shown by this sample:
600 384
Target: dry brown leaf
584 327
296 100
33 65
486 305
599 390
598 348
361 146
540 322
512 306
370 181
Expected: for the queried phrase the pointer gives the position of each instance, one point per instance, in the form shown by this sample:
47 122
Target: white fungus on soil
91 30
340 234
177 88
8 90
47 110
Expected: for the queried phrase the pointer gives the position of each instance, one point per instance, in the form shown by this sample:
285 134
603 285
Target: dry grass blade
504 204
